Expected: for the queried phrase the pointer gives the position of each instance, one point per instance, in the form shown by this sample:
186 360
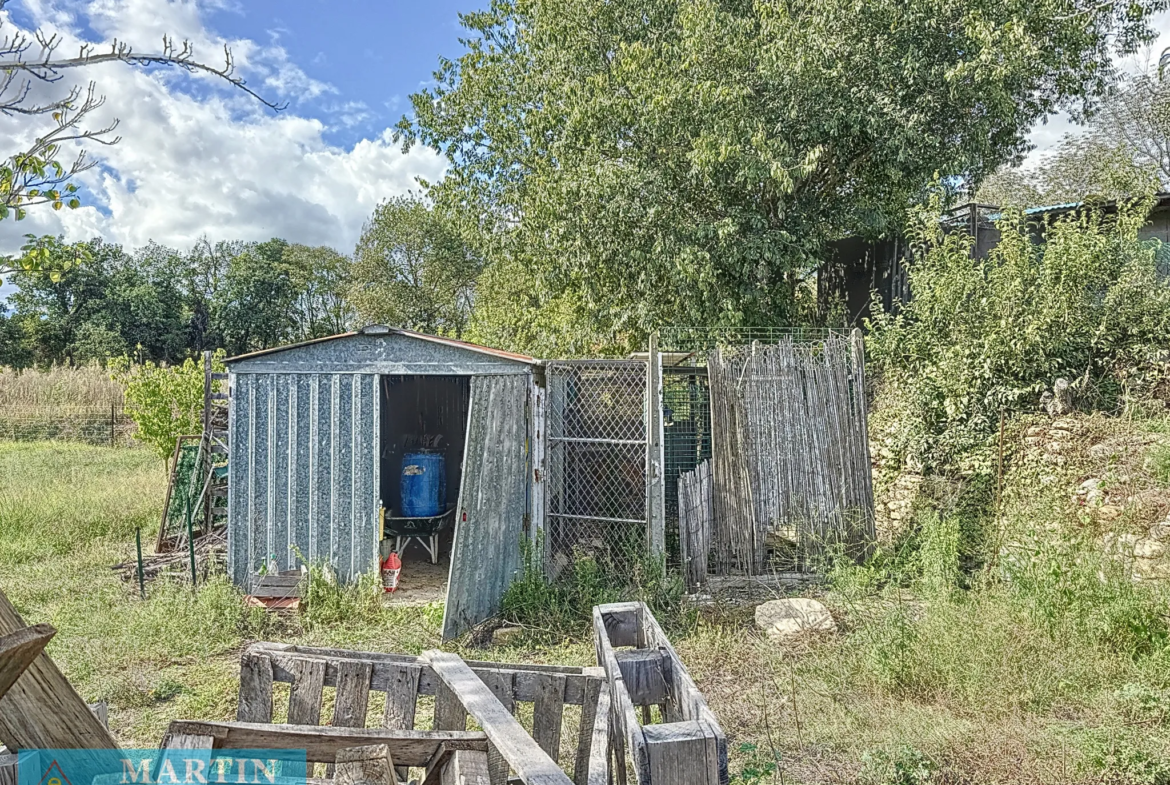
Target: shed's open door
492 502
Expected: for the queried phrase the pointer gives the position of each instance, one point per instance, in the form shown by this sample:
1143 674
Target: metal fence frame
598 458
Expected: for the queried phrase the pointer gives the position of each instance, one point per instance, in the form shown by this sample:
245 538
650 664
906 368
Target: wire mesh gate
596 461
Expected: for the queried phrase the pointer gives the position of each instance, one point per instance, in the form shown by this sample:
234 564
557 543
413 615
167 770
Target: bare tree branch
36 176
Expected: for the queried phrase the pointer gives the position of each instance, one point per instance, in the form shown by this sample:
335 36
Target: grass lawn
927 682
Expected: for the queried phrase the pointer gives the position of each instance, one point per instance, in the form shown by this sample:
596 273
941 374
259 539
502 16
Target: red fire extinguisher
391 569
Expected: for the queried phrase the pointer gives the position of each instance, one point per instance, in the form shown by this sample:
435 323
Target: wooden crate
643 670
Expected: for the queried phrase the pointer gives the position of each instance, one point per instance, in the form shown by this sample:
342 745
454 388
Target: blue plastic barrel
424 484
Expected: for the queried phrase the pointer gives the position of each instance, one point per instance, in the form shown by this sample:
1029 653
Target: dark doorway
421 414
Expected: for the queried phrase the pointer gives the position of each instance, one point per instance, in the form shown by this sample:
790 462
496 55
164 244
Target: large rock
787 618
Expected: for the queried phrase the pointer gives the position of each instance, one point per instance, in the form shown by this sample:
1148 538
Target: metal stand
424 530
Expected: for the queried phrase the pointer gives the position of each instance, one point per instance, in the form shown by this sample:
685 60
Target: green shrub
165 402
329 602
564 607
981 338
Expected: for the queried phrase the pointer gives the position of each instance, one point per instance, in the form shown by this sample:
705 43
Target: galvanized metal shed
314 429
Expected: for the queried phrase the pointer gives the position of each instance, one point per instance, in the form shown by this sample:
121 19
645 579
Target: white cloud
195 161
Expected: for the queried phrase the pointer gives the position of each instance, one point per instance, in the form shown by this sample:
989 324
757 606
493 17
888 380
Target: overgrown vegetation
563 607
76 403
68 512
982 339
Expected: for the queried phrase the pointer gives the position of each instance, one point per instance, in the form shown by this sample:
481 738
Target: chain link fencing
596 461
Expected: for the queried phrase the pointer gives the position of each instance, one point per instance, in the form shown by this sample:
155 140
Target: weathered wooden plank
8 769
255 703
548 714
186 741
501 683
385 670
466 767
622 622
449 711
353 693
304 703
401 701
321 744
19 649
523 754
370 764
41 710
642 672
586 734
684 698
682 753
401 697
352 697
597 767
626 732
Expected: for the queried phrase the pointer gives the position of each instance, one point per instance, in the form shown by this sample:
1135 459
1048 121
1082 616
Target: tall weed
564 607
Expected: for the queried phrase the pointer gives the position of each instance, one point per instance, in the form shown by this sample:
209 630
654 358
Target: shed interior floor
421 582
422 414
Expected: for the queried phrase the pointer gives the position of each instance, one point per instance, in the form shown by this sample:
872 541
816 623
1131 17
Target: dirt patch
420 583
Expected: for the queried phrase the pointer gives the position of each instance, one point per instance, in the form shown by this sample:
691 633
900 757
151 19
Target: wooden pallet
396 682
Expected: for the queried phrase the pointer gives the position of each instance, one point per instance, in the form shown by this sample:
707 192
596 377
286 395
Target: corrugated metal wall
303 471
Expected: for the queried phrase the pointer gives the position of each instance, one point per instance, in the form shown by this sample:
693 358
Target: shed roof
319 351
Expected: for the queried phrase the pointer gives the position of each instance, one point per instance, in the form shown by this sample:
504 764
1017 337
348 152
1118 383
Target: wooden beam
523 754
41 709
466 767
184 741
682 753
585 736
370 764
387 670
255 701
596 762
322 743
19 649
644 675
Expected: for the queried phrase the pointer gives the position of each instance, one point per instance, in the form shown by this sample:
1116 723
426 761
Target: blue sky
373 53
198 158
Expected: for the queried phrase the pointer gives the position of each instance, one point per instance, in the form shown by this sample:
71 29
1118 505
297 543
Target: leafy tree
253 309
1122 152
976 340
103 303
321 277
53 307
627 165
1087 166
203 271
412 269
165 402
14 352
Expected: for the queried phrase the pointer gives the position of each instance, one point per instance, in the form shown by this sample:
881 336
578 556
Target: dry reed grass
84 387
62 404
